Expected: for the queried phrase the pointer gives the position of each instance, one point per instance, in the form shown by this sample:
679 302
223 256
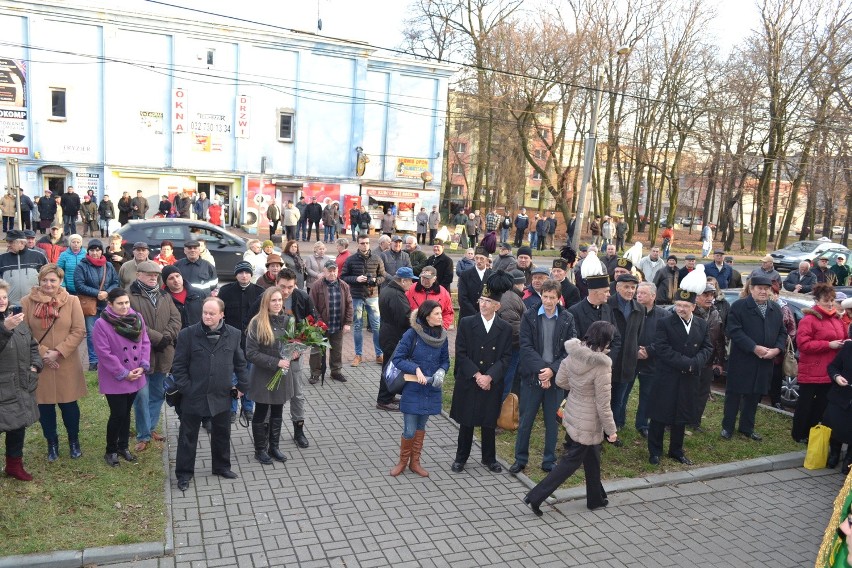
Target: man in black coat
197 273
187 300
208 354
682 347
239 297
559 272
756 328
629 318
646 359
471 282
313 216
543 334
594 307
395 312
483 351
70 203
443 264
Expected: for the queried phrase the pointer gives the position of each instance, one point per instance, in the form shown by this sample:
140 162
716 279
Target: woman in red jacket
821 333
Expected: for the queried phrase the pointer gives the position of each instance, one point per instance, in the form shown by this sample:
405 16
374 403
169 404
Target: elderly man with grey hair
802 280
646 295
416 256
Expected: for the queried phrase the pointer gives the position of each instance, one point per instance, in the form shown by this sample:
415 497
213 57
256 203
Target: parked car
796 302
789 257
227 248
686 221
837 230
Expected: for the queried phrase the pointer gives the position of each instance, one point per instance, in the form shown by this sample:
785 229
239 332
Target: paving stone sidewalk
333 504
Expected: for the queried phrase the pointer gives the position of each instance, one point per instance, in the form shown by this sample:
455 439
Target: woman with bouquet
424 353
264 349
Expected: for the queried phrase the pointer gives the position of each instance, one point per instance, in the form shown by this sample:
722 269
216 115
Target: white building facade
115 101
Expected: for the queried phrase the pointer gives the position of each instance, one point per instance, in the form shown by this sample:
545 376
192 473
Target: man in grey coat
208 354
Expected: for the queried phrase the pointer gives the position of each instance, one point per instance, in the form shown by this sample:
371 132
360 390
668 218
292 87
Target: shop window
285 125
57 104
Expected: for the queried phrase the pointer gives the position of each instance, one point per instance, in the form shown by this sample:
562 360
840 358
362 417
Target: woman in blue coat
94 276
424 353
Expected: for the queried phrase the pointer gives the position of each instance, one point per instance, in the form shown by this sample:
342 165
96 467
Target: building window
536 175
538 154
285 126
619 208
211 54
458 170
461 147
533 194
543 133
457 190
57 104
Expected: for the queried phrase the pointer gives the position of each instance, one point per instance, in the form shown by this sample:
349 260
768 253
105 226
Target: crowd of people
577 333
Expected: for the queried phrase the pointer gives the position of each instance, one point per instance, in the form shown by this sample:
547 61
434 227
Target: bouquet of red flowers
300 338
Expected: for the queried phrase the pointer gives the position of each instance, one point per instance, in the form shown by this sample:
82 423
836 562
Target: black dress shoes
457 467
602 504
726 435
643 433
494 467
227 474
111 459
753 436
517 468
183 484
682 459
533 507
125 453
547 468
654 460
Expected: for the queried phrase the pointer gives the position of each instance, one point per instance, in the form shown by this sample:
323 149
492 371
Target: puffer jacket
68 261
87 279
51 249
815 331
21 270
416 350
586 374
18 352
357 264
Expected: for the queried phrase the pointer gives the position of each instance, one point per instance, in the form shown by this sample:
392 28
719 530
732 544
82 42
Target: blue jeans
620 394
70 224
248 404
504 235
147 406
533 240
413 422
533 396
329 234
90 325
70 417
509 377
372 306
646 381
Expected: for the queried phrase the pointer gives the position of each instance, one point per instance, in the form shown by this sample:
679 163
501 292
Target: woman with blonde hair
57 323
263 351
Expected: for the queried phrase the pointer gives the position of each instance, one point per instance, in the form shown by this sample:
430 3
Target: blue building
117 102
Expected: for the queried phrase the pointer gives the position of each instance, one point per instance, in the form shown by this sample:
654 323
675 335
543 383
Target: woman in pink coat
821 333
124 354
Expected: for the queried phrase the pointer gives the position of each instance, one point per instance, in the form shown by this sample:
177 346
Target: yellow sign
411 167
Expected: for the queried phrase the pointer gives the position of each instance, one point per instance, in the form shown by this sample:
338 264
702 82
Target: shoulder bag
790 366
90 304
394 378
509 415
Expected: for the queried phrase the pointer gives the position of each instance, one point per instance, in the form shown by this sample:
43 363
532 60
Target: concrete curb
105 554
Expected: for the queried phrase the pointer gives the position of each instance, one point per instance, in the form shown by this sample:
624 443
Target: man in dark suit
471 282
629 317
736 275
483 351
682 347
443 264
756 329
543 334
208 354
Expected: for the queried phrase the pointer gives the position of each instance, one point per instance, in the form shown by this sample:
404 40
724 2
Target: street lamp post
589 154
426 177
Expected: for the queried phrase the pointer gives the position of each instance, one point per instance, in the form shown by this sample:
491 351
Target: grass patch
76 504
703 448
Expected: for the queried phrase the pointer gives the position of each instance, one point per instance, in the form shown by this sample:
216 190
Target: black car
227 248
796 302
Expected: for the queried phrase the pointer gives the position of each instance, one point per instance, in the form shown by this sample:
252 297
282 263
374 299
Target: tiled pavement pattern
333 504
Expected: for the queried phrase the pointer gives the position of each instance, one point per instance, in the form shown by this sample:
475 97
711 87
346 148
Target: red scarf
179 296
99 262
822 310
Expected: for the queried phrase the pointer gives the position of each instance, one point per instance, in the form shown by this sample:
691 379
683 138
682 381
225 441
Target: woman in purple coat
124 354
